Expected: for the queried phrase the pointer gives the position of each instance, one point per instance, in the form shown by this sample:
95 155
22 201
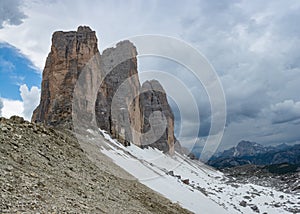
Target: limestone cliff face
70 51
157 117
117 92
110 90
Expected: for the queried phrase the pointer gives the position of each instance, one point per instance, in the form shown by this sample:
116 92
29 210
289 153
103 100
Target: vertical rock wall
157 117
70 51
117 92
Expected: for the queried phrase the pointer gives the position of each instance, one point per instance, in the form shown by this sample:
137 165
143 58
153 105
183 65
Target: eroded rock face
157 117
70 51
117 92
129 112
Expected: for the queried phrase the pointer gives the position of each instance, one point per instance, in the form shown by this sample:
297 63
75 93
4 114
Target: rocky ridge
44 170
253 153
119 106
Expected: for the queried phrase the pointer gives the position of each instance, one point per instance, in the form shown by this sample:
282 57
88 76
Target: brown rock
186 181
70 51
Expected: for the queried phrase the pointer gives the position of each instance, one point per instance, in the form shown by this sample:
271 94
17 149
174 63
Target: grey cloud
253 47
11 13
244 103
285 111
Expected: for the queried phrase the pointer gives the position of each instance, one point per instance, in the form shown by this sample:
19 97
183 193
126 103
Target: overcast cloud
10 13
286 111
12 107
30 99
253 46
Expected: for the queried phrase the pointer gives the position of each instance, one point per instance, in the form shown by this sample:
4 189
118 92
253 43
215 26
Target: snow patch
194 185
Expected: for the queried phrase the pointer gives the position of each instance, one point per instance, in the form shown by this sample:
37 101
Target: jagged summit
121 107
152 85
125 44
80 29
84 29
65 39
246 152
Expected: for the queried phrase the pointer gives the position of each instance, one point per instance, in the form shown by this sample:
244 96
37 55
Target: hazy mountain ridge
247 152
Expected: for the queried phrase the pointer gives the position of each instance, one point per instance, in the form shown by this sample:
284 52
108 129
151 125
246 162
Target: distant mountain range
247 152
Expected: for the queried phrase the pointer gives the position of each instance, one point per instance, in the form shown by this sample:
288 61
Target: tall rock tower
70 51
158 131
117 110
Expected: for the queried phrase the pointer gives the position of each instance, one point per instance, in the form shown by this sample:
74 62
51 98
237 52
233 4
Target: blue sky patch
15 70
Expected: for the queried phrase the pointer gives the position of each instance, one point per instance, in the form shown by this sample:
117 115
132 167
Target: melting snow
194 185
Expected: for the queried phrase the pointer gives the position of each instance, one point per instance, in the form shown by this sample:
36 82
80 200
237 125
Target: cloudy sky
253 46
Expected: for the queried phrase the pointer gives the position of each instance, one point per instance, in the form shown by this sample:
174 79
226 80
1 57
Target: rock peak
153 101
84 29
153 85
123 50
